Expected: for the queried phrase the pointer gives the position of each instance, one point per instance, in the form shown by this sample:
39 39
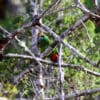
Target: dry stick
89 37
2 30
33 9
77 67
73 95
38 67
61 73
69 46
34 31
84 9
40 3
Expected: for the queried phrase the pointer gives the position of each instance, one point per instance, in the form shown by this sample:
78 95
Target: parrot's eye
42 36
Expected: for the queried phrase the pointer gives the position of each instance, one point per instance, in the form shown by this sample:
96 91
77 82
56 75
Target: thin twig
61 9
84 9
49 7
22 44
89 37
61 73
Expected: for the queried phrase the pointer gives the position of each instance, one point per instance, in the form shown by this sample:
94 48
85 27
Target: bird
54 55
43 41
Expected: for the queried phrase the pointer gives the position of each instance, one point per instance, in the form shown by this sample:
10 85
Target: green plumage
43 42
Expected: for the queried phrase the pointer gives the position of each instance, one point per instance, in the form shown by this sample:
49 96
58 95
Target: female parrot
43 43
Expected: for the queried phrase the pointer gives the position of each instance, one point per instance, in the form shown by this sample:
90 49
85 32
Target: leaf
91 28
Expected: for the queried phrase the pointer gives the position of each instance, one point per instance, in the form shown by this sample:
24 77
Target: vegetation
71 38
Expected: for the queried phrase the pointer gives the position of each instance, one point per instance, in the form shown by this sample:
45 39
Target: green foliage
89 4
85 39
8 90
91 28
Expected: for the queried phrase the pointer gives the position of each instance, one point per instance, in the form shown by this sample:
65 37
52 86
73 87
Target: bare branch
69 46
77 67
89 37
84 9
2 30
22 44
33 9
85 92
34 48
40 3
61 73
